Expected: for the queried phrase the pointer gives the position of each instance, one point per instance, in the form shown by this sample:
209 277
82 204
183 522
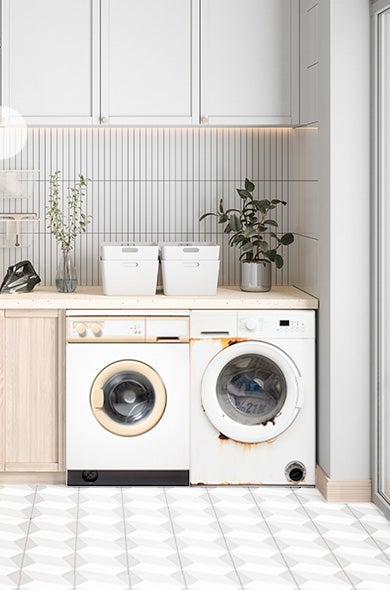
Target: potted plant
66 227
255 234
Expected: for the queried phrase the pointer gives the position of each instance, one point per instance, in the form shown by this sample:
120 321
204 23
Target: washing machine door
251 391
128 398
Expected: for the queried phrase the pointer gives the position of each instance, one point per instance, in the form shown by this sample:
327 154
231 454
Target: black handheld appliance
20 278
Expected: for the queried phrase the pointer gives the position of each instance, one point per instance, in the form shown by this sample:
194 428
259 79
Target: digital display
284 322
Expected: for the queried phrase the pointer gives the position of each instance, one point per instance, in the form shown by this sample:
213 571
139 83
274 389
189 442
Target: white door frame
377 422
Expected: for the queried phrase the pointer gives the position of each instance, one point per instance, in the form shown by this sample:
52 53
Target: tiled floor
52 537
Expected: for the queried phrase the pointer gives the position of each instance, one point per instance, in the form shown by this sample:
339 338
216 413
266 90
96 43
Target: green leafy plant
65 227
253 231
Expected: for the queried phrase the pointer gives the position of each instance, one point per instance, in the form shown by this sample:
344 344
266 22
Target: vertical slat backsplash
149 184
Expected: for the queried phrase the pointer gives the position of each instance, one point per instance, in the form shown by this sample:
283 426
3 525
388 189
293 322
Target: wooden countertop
93 298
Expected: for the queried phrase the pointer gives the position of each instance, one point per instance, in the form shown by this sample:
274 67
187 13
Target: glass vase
66 278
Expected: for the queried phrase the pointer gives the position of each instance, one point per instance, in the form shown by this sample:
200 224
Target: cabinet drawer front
31 313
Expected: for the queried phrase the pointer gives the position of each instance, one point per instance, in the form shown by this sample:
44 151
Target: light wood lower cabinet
32 386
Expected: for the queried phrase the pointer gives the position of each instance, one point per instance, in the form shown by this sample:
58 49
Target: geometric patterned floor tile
217 538
49 554
152 552
16 502
101 560
249 538
360 556
13 535
375 523
309 558
206 558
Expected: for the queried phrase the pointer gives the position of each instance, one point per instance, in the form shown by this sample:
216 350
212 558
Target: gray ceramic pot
255 276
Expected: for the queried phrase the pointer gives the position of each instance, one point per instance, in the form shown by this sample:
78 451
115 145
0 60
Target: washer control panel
127 329
291 326
252 324
99 328
85 329
276 324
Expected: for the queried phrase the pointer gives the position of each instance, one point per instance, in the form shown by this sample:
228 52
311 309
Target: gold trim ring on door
97 398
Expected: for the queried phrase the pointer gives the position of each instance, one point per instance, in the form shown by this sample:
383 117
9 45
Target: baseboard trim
31 477
343 490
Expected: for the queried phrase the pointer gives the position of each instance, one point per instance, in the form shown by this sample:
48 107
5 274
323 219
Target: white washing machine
127 398
252 397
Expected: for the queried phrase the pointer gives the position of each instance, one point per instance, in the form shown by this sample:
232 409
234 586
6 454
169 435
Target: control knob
81 329
251 324
96 329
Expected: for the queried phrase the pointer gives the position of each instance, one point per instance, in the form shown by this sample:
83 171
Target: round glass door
251 391
128 398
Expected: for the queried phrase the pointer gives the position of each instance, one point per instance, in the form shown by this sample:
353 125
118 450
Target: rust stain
222 436
296 483
245 447
227 483
225 342
241 483
272 420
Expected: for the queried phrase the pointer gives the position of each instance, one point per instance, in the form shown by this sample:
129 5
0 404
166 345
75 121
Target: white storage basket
181 277
129 268
190 268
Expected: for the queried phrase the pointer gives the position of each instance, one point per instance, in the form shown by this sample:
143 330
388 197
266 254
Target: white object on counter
190 268
129 268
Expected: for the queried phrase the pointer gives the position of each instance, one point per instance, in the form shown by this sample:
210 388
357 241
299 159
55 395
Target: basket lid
129 251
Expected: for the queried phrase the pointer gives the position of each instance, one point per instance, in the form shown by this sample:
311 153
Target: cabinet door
249 62
150 62
33 391
50 60
308 62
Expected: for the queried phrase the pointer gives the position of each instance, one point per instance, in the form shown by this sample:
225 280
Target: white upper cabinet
149 52
50 60
249 62
151 62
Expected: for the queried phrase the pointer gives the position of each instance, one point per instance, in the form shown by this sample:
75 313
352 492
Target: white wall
304 209
344 263
149 184
304 192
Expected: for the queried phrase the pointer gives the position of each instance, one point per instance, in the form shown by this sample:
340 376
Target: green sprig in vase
66 227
